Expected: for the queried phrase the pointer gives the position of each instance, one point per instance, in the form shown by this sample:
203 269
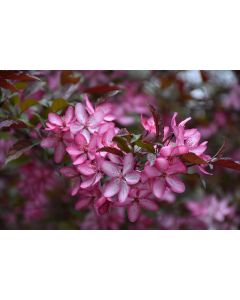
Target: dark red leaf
18 149
12 124
17 75
111 150
193 159
227 163
7 85
156 119
67 77
204 76
102 89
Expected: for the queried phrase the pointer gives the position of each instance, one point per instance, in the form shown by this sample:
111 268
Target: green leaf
122 144
146 146
135 137
27 104
58 104
111 150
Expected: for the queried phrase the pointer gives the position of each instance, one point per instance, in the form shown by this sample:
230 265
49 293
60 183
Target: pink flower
138 199
73 174
82 149
211 209
121 178
163 174
60 134
86 123
188 139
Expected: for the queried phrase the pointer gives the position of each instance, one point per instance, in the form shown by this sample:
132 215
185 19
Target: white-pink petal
133 212
59 152
80 160
159 187
110 168
55 119
124 191
132 177
81 113
49 142
162 164
80 140
111 188
68 171
128 163
69 115
86 169
148 204
175 184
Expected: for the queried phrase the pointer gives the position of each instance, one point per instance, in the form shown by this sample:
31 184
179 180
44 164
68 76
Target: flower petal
75 187
49 142
69 115
88 182
148 204
151 172
162 164
175 184
81 113
80 140
166 151
74 150
55 119
133 212
132 177
68 171
124 191
111 188
128 163
80 160
75 128
86 169
82 203
110 168
159 187
59 152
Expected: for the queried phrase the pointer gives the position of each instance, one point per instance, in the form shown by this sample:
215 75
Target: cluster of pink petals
106 181
35 181
211 210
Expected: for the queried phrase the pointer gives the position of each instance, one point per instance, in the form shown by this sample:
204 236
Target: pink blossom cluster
212 211
133 179
35 181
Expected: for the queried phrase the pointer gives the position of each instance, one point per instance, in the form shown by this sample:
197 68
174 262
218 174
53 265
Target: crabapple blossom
121 177
116 176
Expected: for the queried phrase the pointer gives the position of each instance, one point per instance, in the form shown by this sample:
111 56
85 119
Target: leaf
204 76
103 89
111 150
17 75
156 119
58 104
122 144
12 124
221 150
7 85
227 163
135 137
27 104
193 159
18 149
68 77
144 145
